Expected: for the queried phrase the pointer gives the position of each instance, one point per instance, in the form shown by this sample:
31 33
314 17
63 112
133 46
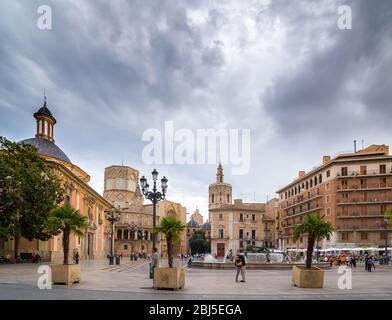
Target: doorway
220 249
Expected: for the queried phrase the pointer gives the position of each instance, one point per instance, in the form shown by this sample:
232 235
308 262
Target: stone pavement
130 281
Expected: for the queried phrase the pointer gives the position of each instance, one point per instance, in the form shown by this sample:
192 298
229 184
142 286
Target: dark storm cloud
343 85
112 69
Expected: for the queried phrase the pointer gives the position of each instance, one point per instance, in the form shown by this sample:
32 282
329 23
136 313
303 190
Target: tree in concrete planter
66 220
28 192
316 229
171 227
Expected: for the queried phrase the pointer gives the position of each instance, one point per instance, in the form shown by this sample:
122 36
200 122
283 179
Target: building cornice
332 162
77 180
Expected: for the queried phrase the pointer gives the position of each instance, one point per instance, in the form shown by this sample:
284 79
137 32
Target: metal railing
359 214
356 173
365 187
303 199
362 200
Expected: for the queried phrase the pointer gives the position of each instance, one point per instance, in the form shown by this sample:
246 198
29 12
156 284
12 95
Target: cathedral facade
133 231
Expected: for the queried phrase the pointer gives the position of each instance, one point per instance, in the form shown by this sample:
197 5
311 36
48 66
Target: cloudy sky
283 69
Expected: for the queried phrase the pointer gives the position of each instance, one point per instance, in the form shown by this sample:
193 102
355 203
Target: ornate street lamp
154 196
132 229
113 216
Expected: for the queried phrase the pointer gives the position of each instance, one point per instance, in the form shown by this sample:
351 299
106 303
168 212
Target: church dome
44 138
47 148
206 226
192 223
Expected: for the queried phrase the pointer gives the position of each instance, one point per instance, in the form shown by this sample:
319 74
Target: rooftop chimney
301 174
326 159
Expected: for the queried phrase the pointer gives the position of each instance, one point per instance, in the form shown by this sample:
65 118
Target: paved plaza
130 281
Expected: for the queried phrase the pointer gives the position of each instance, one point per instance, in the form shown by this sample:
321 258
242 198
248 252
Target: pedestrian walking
238 266
373 262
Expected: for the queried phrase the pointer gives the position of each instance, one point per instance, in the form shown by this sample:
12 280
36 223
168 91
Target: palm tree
171 227
66 220
316 229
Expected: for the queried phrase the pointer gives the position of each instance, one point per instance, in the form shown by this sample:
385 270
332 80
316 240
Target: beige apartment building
121 188
235 225
351 190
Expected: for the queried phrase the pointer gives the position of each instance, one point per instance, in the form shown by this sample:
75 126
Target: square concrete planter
66 274
308 278
169 278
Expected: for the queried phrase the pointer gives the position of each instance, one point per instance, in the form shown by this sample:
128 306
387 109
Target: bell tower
220 193
45 123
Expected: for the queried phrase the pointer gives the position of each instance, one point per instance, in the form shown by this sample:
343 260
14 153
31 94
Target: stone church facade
122 190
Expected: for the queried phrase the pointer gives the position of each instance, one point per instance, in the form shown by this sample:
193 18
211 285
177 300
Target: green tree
316 229
198 243
66 220
388 215
28 192
171 227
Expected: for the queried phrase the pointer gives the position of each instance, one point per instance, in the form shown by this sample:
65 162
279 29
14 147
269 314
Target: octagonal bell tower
219 193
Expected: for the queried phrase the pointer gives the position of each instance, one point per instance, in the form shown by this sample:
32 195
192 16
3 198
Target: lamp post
154 196
132 228
385 225
113 216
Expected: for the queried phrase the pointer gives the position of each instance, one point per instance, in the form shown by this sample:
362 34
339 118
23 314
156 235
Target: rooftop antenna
44 97
363 142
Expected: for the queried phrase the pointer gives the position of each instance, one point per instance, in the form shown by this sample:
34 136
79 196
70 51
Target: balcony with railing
291 225
357 214
363 200
364 187
367 173
359 227
307 209
303 199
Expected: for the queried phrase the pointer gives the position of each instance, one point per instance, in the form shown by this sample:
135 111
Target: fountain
256 258
209 258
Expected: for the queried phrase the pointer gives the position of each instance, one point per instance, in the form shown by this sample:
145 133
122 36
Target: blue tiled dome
192 223
47 148
206 226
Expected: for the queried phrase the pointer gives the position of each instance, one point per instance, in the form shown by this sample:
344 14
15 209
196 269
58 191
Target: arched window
212 198
125 234
320 178
145 235
228 198
119 234
315 181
